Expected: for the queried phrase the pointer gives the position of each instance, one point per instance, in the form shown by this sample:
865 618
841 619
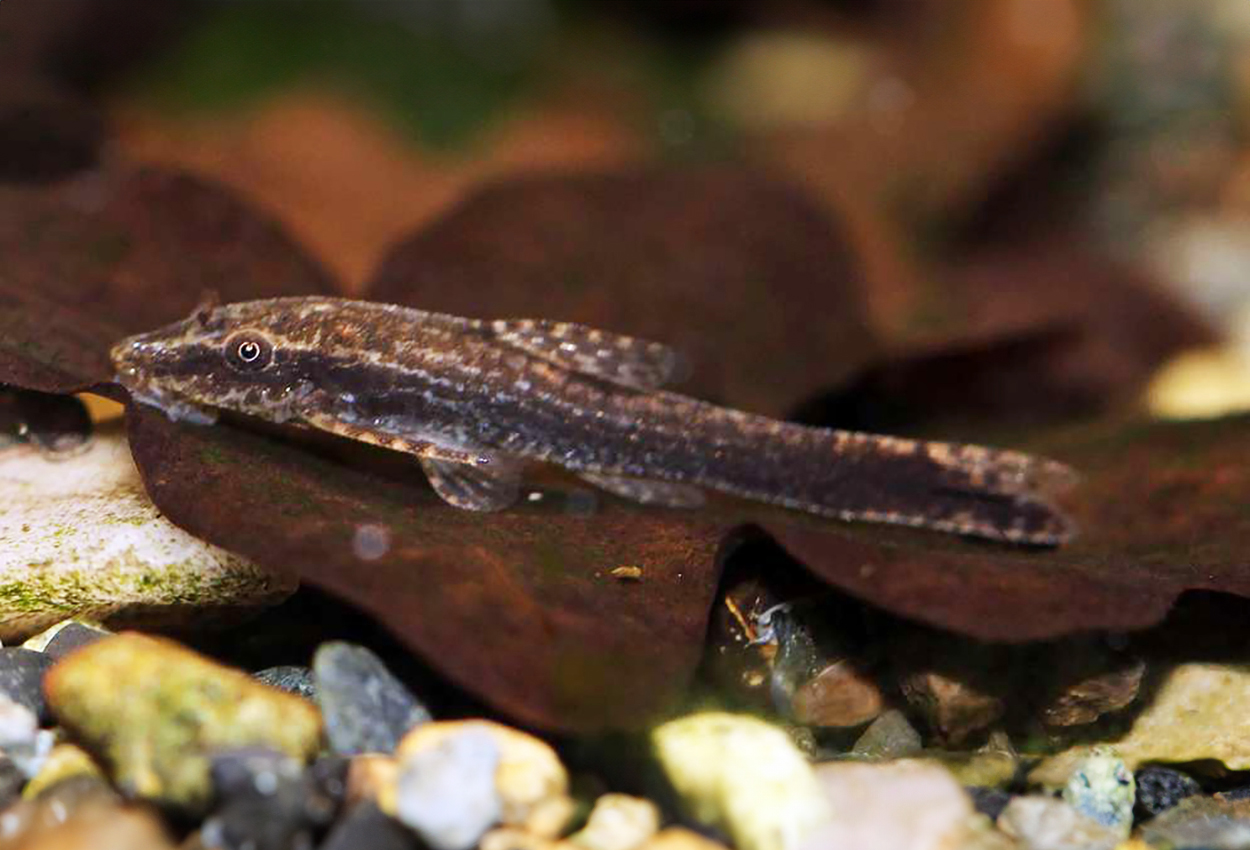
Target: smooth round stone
531 781
447 793
366 709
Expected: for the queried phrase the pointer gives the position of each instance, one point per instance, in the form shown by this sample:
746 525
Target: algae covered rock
154 712
744 776
79 537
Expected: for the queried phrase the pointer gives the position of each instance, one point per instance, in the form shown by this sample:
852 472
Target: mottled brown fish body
472 398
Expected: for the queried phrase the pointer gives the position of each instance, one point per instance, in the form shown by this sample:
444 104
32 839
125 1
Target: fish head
222 356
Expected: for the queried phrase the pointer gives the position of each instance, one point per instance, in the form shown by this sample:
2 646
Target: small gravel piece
890 736
1102 789
989 801
11 781
1160 788
366 709
21 739
60 639
21 678
618 822
1044 823
744 776
71 636
447 792
367 826
268 801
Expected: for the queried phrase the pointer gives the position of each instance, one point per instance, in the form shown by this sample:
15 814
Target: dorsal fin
626 360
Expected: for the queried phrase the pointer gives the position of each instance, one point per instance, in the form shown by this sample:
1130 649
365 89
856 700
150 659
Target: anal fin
647 491
491 484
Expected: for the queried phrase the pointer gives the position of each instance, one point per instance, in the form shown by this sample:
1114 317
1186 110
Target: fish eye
248 352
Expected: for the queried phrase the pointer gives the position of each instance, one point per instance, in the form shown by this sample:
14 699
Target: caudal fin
959 489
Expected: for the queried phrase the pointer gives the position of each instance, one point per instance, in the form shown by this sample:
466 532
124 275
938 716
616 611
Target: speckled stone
1160 788
1102 789
154 712
292 678
366 709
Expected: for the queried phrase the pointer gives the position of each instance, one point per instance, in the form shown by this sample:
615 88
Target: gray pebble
366 709
268 801
11 781
73 635
21 678
367 826
890 736
989 801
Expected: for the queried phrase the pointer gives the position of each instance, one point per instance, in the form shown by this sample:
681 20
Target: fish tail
962 489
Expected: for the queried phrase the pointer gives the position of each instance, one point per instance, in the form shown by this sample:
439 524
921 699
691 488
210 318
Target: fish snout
129 356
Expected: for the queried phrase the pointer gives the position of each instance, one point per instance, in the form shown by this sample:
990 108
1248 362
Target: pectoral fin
491 484
648 492
625 360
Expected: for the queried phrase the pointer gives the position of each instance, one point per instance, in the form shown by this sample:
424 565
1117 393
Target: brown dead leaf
737 271
521 607
138 247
